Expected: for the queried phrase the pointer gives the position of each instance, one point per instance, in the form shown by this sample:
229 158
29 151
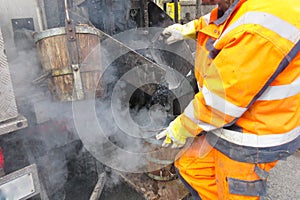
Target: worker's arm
242 65
178 32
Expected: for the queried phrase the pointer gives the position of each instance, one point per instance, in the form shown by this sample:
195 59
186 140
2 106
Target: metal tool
172 77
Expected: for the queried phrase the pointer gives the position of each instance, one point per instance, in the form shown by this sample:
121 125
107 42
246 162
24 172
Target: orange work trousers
214 176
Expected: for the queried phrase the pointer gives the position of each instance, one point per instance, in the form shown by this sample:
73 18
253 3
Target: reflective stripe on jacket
248 79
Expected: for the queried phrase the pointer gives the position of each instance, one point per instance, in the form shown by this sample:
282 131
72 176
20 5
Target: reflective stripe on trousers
253 154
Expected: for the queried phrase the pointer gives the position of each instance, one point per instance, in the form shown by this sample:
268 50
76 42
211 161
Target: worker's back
260 83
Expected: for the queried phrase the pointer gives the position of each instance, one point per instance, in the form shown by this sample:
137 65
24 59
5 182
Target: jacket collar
228 13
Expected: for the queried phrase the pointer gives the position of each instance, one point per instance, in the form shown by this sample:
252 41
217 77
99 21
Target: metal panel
22 23
13 125
21 184
23 28
7 99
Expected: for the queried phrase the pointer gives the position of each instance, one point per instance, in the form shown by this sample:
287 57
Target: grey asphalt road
284 182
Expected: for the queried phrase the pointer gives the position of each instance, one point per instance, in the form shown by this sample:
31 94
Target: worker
187 18
246 115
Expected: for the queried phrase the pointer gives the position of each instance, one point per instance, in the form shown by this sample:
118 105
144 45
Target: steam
114 129
117 141
24 68
116 135
47 139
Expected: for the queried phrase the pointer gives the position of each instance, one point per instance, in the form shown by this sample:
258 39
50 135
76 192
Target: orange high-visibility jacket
249 79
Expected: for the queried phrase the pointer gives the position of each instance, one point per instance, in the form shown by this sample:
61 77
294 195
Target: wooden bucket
68 81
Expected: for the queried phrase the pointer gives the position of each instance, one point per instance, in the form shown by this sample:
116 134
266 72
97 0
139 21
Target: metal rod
39 15
67 11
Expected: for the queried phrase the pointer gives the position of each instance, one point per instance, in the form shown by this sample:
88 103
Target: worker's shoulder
266 21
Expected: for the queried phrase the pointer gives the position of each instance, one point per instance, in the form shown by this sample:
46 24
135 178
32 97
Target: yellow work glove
178 32
175 133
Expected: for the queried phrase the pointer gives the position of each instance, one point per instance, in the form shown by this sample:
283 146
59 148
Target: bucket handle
67 11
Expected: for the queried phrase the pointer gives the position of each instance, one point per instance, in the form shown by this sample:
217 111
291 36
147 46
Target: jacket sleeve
190 29
232 80
201 22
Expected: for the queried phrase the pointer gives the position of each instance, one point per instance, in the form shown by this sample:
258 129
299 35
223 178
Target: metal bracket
61 71
77 82
13 124
70 30
73 53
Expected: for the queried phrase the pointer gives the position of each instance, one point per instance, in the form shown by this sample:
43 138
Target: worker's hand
173 33
178 32
175 133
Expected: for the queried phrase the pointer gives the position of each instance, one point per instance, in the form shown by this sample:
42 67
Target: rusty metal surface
155 190
8 105
62 31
